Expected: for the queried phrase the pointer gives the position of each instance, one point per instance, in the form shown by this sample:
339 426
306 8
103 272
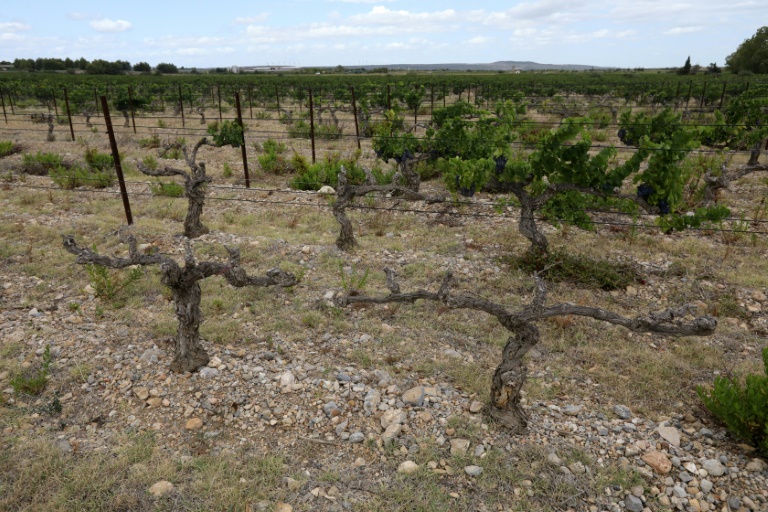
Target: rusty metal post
133 111
96 101
181 108
69 115
2 100
243 151
354 113
55 106
312 123
218 92
116 158
250 100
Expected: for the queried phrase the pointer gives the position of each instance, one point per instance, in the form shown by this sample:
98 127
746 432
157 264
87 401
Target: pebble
161 488
407 467
473 470
633 503
572 410
194 424
670 434
713 467
622 411
459 446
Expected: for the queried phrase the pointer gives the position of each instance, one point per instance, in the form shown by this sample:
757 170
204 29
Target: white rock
407 467
161 488
325 189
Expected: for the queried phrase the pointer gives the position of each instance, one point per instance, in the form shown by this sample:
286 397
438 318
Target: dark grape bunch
624 137
645 191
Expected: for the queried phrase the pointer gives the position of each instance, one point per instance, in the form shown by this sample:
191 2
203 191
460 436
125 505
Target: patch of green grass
169 189
41 163
34 383
8 147
560 266
78 176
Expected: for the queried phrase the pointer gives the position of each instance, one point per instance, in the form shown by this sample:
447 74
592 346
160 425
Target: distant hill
504 65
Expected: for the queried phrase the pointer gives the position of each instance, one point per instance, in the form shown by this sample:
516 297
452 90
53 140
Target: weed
227 173
8 148
34 384
170 189
561 266
742 408
161 124
41 163
107 285
98 161
352 280
78 176
151 142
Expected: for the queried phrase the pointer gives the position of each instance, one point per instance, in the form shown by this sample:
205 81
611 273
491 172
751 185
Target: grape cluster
501 164
645 191
624 137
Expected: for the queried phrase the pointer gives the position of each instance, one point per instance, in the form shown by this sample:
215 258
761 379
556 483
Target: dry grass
650 374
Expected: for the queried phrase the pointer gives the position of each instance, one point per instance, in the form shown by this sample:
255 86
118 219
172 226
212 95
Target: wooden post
55 106
312 123
116 158
133 110
181 108
354 113
69 115
96 101
703 93
243 151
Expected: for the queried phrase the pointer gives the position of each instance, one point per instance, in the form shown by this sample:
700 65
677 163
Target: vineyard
405 292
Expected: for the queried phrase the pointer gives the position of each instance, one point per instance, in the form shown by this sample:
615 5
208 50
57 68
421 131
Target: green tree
751 55
686 69
142 67
167 68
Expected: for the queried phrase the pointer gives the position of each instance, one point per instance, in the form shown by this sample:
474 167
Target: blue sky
616 33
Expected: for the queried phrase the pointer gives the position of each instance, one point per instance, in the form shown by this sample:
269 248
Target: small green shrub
744 409
326 172
150 142
562 266
262 114
106 285
79 176
34 384
8 147
227 172
226 133
301 130
170 189
98 161
41 163
274 160
150 161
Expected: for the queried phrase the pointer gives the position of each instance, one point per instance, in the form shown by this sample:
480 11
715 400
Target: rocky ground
362 408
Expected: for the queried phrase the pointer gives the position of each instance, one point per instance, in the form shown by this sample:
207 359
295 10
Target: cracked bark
194 186
510 375
189 354
345 194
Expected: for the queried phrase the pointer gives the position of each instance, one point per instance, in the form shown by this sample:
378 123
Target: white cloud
107 25
380 15
248 20
205 51
683 30
13 27
479 40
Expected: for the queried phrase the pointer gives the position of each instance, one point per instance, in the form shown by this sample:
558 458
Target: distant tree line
94 67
